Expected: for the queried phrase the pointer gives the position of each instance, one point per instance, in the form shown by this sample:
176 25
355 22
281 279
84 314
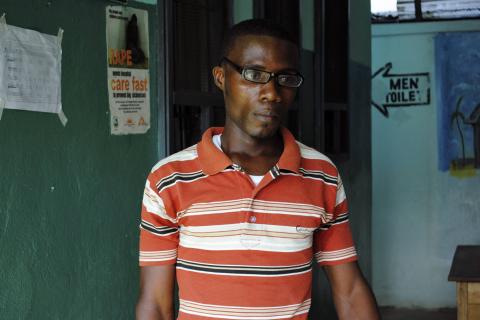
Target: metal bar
197 98
169 19
259 9
335 106
319 130
205 118
418 10
161 101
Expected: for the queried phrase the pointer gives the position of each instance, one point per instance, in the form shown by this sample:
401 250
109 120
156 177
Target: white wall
420 214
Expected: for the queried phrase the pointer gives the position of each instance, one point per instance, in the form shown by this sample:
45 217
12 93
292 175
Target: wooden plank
473 311
474 293
466 264
462 300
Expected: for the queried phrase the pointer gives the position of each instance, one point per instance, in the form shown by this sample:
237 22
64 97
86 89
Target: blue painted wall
420 214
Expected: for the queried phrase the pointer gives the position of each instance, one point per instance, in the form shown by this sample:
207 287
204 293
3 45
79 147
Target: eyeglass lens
288 80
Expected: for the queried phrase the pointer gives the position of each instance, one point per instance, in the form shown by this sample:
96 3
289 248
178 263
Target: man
244 212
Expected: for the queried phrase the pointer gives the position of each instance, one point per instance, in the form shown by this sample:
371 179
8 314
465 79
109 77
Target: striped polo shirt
244 251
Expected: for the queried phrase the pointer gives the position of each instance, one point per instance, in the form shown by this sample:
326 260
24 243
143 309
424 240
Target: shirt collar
290 158
213 160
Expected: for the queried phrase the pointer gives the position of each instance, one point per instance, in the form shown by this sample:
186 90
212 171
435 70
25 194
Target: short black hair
255 27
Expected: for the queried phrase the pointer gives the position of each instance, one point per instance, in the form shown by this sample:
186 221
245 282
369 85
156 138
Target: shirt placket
251 235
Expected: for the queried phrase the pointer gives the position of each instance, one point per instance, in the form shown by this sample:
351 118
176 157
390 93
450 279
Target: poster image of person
128 38
133 41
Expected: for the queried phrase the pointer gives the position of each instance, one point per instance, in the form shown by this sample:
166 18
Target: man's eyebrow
260 67
255 66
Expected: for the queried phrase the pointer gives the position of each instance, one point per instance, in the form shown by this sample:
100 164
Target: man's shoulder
177 159
310 153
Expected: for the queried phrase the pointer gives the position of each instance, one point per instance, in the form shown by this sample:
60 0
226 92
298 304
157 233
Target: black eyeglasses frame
272 75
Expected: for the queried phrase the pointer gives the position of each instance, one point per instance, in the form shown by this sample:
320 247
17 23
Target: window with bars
285 13
424 10
319 116
332 45
195 31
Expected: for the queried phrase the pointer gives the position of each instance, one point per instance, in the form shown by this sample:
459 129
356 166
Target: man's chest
231 213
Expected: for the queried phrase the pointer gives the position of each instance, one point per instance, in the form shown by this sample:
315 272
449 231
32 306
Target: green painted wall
357 171
242 10
307 21
70 196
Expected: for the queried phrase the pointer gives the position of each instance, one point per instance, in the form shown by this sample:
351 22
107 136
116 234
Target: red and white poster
128 70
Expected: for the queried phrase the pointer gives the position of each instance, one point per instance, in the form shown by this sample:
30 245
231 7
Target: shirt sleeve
158 227
333 241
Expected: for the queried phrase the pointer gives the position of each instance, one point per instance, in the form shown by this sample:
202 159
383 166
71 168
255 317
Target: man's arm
353 298
156 293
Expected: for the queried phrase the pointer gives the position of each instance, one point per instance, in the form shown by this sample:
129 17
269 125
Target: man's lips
266 116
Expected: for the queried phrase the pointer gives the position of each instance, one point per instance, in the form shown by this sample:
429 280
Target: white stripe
292 205
247 266
175 175
271 174
156 259
341 222
340 192
246 204
329 226
246 226
150 256
155 253
245 241
181 181
310 153
159 230
323 256
154 204
245 309
319 173
231 312
284 173
332 225
184 155
255 270
341 218
246 275
320 179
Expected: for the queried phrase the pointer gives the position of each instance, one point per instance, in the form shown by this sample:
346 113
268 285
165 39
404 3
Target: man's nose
270 91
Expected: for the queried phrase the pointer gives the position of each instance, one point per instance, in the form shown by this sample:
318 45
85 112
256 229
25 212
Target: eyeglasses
291 80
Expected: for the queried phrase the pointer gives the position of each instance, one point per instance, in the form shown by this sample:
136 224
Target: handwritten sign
30 70
399 90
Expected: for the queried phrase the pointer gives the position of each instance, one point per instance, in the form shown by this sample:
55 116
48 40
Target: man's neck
254 155
236 141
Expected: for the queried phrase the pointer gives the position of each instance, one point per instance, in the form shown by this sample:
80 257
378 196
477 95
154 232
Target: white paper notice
3 61
30 70
128 70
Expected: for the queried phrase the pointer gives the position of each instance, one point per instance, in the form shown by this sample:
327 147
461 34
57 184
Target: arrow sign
399 90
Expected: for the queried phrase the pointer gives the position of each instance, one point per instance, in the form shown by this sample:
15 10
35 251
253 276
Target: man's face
253 108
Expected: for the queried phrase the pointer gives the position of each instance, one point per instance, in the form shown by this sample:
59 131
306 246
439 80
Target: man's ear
219 77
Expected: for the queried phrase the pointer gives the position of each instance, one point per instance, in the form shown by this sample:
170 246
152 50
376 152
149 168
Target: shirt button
253 219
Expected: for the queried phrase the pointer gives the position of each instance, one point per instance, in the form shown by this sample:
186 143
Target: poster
458 89
128 70
30 70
